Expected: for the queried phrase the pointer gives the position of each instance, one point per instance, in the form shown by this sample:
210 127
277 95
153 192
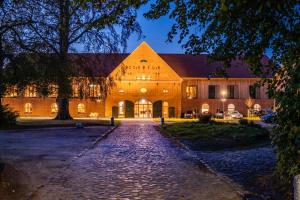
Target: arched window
231 107
205 108
54 108
257 107
81 108
28 108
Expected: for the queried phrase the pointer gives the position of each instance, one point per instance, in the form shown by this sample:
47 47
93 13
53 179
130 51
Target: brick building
149 85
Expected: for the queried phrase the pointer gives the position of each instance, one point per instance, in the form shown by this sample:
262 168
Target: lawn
24 123
216 135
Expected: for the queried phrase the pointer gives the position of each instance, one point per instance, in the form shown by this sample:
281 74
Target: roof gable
144 64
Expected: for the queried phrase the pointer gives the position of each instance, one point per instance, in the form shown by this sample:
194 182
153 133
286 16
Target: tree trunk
63 109
64 90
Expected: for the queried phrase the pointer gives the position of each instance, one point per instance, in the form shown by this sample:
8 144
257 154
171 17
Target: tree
62 24
247 30
13 22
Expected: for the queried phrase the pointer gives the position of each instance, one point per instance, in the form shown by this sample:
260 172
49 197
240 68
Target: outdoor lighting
143 101
223 93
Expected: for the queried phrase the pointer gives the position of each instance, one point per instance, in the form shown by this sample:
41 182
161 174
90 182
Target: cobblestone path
136 162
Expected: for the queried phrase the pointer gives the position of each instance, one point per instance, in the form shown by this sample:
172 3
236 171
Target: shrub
7 117
205 118
243 122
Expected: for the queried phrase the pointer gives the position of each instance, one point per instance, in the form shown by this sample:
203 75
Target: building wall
41 107
155 91
215 104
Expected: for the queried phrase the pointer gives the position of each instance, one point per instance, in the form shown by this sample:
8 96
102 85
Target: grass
24 123
176 120
217 134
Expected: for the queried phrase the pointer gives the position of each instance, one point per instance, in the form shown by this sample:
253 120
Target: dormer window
144 61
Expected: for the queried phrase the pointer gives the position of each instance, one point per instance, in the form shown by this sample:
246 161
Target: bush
243 122
205 118
7 117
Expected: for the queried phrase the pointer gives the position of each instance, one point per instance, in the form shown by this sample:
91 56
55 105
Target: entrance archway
143 109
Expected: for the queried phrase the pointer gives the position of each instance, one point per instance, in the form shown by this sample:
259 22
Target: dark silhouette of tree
247 29
102 26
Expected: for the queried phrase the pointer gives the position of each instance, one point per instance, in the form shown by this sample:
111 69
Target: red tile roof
194 66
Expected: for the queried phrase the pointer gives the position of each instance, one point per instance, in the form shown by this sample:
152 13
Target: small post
162 121
112 121
297 187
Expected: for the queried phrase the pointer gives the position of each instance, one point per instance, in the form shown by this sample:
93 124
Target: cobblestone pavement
136 162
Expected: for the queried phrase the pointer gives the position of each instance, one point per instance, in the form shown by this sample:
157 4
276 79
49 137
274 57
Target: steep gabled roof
198 66
193 66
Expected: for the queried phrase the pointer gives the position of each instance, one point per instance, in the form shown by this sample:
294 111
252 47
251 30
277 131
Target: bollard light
112 121
162 121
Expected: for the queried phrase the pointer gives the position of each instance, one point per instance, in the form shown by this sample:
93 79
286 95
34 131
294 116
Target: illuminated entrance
143 109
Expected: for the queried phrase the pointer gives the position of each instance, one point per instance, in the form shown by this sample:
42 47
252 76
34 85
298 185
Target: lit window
75 88
121 91
12 92
231 107
143 90
165 91
53 90
205 108
30 91
94 90
81 108
28 108
257 107
191 92
54 108
143 78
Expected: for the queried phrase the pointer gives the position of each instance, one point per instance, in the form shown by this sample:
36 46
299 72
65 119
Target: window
165 91
212 92
191 92
143 90
30 91
81 108
12 92
257 107
28 108
231 107
205 108
254 92
94 91
75 88
54 108
230 91
53 90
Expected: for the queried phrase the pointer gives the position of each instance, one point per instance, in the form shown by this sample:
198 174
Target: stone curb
97 141
239 189
30 195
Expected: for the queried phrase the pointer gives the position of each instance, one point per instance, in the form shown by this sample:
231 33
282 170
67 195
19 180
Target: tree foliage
248 29
102 26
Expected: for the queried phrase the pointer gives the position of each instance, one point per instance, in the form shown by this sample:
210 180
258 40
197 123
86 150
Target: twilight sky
155 32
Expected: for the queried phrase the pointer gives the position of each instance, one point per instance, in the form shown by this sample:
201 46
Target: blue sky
155 34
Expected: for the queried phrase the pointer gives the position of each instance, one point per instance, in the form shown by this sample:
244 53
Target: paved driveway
135 162
31 156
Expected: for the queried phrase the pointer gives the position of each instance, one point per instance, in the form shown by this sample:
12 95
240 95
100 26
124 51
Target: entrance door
143 109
